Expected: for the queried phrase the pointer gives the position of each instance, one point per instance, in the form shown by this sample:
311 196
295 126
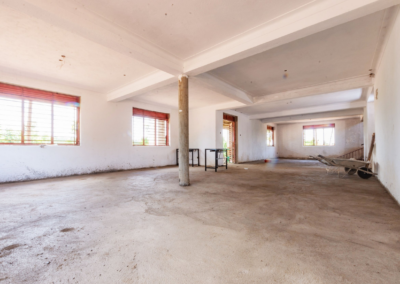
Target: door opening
229 136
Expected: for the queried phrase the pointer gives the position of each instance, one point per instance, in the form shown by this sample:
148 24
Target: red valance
13 91
150 114
318 126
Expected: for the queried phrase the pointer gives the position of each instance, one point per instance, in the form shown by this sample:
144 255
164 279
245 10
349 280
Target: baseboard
388 191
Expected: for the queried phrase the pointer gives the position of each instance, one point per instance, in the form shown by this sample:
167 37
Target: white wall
105 141
205 131
387 115
348 137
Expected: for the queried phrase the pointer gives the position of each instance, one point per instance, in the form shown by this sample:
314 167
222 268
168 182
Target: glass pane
319 132
137 130
149 131
37 119
65 119
10 120
225 138
308 137
161 132
329 136
269 138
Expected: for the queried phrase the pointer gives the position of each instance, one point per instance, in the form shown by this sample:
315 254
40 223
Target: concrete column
184 131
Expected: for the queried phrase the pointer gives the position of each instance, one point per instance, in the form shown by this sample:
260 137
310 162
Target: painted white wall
205 131
387 114
348 137
105 141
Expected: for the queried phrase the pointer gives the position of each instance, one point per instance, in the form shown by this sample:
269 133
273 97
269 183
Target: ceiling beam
223 88
308 110
331 87
146 84
304 21
320 115
78 20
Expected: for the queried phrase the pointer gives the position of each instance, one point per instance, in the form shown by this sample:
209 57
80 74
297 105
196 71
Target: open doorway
229 136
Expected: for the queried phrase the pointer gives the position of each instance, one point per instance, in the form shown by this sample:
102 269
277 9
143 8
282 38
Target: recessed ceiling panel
198 96
310 101
34 48
341 52
187 27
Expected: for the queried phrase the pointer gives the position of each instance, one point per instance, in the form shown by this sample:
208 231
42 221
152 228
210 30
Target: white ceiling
187 27
110 46
199 96
33 48
318 119
341 52
310 101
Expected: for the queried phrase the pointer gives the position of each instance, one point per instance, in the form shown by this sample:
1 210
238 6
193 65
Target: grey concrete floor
284 222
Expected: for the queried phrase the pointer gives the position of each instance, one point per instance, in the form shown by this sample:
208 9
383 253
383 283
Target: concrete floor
288 222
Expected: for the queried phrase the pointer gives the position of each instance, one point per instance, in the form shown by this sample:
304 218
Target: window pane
269 138
65 124
319 132
225 138
37 120
329 136
137 130
149 131
308 137
161 132
10 120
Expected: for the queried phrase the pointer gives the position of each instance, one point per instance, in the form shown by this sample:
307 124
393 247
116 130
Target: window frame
37 95
144 113
320 126
272 129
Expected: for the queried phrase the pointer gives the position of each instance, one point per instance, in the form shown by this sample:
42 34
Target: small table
191 150
217 151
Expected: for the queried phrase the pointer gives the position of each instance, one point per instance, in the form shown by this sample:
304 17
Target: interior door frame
234 119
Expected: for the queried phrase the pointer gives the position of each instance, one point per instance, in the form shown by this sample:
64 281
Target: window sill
37 145
149 146
319 146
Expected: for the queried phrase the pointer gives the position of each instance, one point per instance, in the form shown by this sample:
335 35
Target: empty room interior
212 141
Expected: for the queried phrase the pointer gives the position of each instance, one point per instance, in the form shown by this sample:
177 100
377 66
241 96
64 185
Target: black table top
190 149
217 149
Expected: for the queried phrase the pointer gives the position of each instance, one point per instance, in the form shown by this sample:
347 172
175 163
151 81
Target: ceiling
304 102
341 52
186 27
135 49
34 48
199 96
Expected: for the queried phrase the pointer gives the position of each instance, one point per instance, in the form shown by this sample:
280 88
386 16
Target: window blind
30 116
149 128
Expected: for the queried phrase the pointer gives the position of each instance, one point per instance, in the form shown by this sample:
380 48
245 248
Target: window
149 128
319 135
31 117
270 136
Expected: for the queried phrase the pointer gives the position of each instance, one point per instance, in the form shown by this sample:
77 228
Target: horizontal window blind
318 126
149 128
29 116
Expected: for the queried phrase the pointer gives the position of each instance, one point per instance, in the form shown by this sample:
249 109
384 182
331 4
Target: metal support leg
205 158
192 159
198 157
177 157
226 159
216 160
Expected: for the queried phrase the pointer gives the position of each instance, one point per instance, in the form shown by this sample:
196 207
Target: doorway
229 136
